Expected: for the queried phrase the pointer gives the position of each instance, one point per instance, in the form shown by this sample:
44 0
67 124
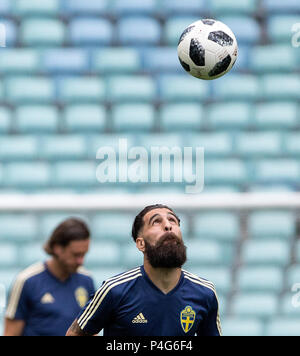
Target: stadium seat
280 87
97 142
18 147
65 61
5 120
274 224
63 147
24 231
128 31
42 32
232 115
19 61
292 144
220 276
174 27
259 279
49 221
234 326
207 253
237 87
289 303
85 118
74 174
133 7
260 252
91 7
170 8
225 171
262 144
277 6
283 327
279 27
181 117
10 29
31 253
216 144
222 226
181 88
21 90
254 304
131 88
5 7
161 59
280 171
292 274
229 7
273 58
7 277
279 115
148 141
116 60
81 89
298 252
90 31
133 117
35 7
36 119
30 175
131 256
8 255
245 28
103 254
112 226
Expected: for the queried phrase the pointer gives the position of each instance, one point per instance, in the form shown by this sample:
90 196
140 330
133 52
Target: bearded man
158 298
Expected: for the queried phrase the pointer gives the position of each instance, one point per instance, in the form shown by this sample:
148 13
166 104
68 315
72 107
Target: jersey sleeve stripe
123 275
197 281
102 292
18 287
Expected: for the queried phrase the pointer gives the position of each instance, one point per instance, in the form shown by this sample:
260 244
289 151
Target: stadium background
77 75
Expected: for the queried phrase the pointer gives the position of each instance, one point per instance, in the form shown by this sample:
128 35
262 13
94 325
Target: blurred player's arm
13 327
75 330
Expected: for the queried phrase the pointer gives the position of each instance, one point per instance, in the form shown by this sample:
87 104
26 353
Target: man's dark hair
72 229
139 219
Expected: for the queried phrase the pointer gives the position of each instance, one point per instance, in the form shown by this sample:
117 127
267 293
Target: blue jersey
131 305
47 305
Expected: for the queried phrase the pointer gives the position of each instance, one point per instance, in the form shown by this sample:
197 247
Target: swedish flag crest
187 318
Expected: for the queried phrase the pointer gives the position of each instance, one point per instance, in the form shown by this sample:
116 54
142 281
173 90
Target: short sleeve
98 311
19 300
211 325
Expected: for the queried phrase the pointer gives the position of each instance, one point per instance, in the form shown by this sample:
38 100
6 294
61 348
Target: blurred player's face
161 240
72 256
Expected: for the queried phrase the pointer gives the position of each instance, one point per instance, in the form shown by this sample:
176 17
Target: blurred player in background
47 296
158 298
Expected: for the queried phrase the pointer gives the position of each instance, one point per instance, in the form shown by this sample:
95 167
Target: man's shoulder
32 271
122 281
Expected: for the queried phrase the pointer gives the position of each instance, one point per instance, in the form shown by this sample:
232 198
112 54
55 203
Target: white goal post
126 202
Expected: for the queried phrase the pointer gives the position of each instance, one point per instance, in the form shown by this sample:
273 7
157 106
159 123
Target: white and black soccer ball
207 49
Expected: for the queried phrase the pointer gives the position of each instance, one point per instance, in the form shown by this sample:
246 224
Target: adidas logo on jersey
47 299
140 319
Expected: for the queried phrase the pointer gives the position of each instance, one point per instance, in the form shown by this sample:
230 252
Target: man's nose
168 226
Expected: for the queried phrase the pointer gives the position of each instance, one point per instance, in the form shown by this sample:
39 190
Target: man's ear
140 244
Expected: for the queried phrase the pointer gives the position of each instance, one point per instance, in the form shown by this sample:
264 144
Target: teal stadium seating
77 76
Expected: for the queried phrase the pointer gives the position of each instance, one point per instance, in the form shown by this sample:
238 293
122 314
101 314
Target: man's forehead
160 211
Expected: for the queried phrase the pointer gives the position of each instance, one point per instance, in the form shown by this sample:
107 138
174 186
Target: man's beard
169 252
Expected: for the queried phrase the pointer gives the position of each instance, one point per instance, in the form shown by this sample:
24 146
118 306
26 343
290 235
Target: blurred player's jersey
47 305
130 304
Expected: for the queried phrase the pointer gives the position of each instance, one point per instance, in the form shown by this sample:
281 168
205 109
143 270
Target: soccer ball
207 49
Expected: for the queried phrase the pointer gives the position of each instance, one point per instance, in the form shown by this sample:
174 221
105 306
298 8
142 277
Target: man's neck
57 270
165 279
